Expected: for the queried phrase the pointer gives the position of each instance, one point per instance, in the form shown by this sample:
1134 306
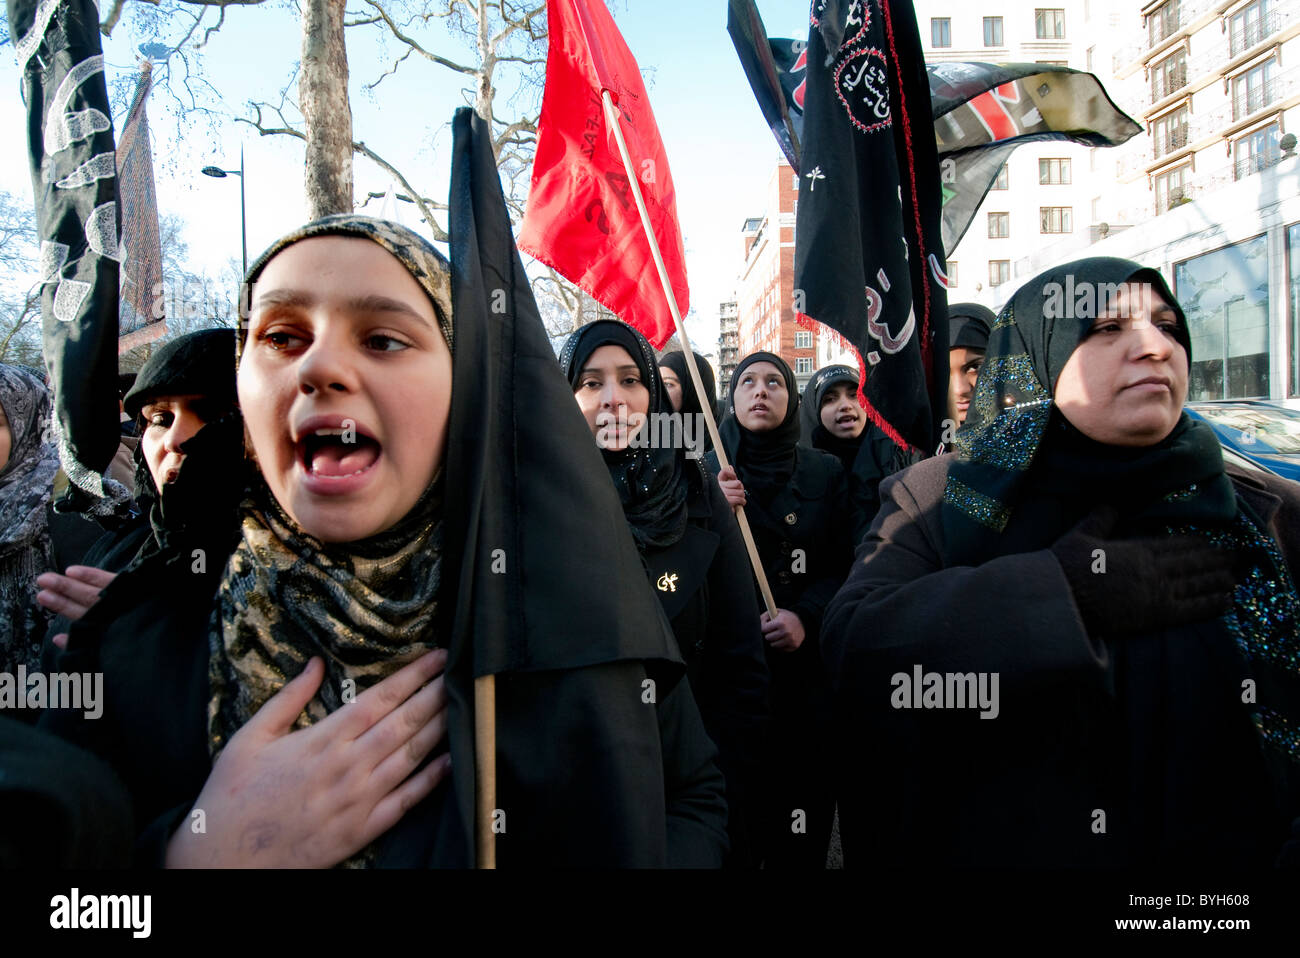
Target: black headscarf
1016 451
1030 343
196 364
764 461
676 361
649 480
969 325
811 431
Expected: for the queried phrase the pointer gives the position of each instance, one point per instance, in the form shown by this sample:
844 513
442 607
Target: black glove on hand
1149 583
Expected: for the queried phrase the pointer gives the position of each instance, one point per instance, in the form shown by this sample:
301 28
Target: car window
1269 429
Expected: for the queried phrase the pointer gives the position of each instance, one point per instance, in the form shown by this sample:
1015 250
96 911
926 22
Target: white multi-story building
1209 193
1044 198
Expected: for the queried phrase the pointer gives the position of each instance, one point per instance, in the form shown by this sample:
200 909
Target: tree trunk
326 111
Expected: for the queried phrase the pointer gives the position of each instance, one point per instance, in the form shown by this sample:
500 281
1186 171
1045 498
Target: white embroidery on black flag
62 128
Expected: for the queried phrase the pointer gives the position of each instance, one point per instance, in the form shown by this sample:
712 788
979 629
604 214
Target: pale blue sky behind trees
718 145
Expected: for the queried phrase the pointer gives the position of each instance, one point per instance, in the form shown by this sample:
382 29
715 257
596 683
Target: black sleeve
900 606
835 556
733 679
694 790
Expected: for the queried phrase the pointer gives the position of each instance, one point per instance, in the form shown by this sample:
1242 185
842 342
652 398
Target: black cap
196 364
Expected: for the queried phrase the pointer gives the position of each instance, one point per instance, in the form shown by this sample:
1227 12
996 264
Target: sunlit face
1126 382
170 421
673 385
345 383
963 370
612 396
761 398
6 439
840 413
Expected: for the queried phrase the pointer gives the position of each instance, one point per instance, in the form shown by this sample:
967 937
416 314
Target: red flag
581 218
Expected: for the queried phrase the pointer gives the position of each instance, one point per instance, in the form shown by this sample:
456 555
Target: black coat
627 768
1070 772
707 590
804 537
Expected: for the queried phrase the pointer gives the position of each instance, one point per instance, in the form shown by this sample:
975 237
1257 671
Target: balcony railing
1165 82
1238 41
1251 32
1255 163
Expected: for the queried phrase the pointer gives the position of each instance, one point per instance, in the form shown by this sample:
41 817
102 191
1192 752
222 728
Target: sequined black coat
1102 753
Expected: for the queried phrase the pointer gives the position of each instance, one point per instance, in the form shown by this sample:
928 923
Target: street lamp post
218 173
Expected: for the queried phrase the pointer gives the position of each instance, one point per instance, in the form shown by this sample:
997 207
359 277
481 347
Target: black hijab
764 461
811 431
1012 425
676 361
1017 454
969 325
649 480
196 364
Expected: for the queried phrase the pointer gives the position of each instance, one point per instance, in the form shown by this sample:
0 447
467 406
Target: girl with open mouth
402 528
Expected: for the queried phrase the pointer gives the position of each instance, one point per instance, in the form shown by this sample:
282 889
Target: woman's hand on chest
278 798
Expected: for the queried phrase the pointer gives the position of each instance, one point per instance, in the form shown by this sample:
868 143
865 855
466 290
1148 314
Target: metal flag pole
611 117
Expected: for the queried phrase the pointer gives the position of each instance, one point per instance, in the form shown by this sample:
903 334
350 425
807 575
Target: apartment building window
999 225
1055 219
1256 151
803 365
1253 90
1049 24
1168 75
802 339
1225 297
1171 188
940 31
999 271
1249 25
1001 180
1169 132
1054 172
1163 21
993 31
952 273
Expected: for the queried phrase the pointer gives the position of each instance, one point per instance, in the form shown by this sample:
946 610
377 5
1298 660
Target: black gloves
1149 583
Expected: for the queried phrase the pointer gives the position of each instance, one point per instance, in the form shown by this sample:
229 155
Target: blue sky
718 145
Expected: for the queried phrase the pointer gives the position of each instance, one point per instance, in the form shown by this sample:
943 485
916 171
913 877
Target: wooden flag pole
485 768
611 117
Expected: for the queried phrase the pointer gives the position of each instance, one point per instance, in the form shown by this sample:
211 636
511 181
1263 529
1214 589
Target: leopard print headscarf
367 608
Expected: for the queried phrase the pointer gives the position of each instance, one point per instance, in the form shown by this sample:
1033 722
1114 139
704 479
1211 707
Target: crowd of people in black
356 502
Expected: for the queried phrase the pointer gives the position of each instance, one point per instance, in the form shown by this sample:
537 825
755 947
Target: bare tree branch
415 45
425 205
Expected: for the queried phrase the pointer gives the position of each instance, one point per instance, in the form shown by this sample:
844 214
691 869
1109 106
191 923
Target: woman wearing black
681 389
797 503
369 535
1074 641
692 549
186 384
832 420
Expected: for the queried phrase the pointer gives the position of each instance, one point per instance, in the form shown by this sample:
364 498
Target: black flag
869 258
74 178
981 111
